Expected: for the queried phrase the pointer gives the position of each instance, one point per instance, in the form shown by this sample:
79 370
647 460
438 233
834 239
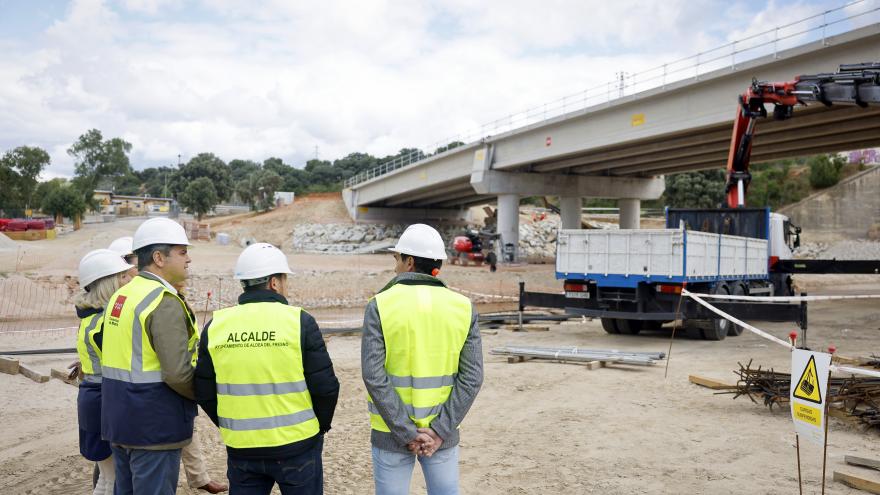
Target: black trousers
302 474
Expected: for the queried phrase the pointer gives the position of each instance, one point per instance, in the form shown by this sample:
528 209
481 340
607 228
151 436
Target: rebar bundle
859 397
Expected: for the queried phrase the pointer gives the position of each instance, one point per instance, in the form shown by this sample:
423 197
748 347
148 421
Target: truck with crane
633 279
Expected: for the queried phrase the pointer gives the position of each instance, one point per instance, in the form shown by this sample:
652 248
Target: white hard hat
98 264
159 230
122 246
260 260
422 241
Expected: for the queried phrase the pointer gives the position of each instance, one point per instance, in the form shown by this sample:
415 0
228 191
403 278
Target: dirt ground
535 427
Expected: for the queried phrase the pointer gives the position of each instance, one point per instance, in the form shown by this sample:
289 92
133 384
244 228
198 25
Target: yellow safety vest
87 348
128 355
262 398
425 328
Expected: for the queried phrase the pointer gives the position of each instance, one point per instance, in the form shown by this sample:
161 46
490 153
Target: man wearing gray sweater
422 365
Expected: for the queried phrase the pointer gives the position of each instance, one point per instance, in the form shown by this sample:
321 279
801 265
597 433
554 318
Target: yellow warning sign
637 119
808 385
807 414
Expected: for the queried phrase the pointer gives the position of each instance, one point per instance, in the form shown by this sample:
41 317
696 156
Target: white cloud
252 80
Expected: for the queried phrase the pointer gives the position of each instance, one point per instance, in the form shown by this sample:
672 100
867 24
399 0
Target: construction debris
576 354
710 383
867 485
858 397
9 365
33 374
863 462
63 376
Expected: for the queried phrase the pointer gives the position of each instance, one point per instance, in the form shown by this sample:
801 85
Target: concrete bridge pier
630 209
508 227
570 211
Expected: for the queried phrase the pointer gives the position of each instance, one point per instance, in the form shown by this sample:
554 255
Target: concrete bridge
622 148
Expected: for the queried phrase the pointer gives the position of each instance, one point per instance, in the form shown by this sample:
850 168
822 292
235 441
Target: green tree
19 169
242 169
199 197
703 189
825 170
97 159
354 163
452 145
258 190
205 165
154 180
64 200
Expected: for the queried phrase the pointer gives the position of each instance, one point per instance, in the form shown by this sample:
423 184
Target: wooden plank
61 375
9 365
867 485
838 359
527 328
862 461
33 374
709 383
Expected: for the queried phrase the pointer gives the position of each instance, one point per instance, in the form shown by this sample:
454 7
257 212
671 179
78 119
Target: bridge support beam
508 227
570 211
630 210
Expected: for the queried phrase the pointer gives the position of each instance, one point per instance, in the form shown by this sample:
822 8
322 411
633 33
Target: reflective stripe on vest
128 355
262 398
424 328
87 348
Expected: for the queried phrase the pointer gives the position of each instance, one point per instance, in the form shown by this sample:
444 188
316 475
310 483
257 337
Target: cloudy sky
254 79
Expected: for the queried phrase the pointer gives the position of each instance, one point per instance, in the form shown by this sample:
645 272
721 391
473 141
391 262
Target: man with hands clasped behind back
422 365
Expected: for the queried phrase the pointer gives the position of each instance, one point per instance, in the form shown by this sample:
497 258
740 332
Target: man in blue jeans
422 364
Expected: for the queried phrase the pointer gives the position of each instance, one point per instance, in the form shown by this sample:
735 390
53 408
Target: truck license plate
577 295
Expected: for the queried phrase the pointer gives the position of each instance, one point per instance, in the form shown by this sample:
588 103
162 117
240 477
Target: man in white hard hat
147 396
422 364
193 462
264 377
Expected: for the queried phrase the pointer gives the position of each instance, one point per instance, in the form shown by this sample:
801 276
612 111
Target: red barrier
36 225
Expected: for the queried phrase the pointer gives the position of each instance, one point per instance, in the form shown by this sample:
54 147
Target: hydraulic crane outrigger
852 84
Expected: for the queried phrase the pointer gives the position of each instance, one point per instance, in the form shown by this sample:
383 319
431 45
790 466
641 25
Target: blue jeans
146 472
303 474
393 471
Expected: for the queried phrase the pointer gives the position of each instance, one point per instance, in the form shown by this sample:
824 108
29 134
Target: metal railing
817 27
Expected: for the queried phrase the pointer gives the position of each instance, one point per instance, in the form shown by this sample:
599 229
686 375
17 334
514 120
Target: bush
825 170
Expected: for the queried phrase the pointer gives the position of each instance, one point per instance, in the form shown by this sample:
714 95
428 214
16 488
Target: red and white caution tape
478 294
782 299
756 331
41 330
772 338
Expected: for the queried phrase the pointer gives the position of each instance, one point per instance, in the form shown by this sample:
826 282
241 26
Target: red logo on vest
117 307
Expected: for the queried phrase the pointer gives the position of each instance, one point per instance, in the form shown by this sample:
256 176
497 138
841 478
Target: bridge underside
814 130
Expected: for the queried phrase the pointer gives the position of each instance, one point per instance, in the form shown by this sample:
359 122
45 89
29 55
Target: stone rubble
537 238
855 249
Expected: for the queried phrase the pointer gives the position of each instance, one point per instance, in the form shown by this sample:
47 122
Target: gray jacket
464 390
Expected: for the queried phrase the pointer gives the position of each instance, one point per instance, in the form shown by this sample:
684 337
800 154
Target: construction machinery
474 246
633 279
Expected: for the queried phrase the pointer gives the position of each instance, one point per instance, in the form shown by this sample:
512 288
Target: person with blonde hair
101 273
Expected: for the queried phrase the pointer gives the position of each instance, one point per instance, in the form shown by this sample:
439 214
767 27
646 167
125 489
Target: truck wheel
716 329
736 330
629 327
610 325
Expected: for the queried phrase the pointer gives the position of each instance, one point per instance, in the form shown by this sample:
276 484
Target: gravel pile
843 250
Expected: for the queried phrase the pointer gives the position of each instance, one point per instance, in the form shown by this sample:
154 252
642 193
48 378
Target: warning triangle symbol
808 385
